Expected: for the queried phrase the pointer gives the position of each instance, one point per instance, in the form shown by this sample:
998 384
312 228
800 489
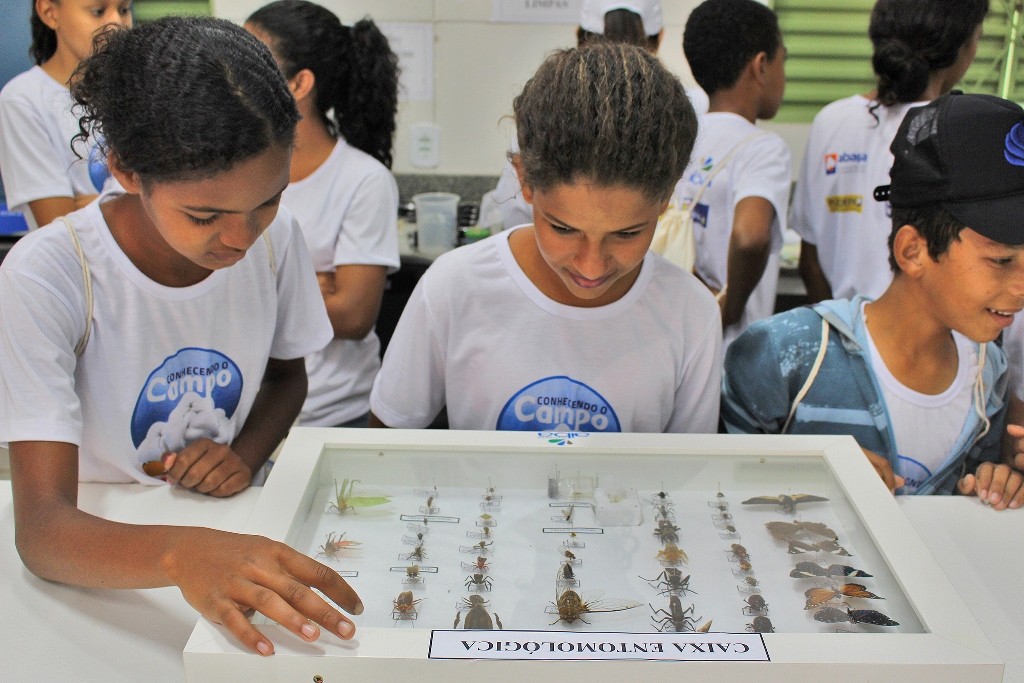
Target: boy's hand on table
225 575
1016 433
998 485
208 467
892 480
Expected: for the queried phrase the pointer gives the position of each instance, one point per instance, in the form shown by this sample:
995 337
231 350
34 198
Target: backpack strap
87 278
815 367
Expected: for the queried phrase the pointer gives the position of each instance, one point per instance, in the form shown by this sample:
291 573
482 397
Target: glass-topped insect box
567 555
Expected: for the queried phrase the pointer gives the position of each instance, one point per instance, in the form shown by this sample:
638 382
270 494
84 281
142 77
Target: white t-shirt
164 365
847 157
926 426
37 125
348 212
478 336
761 167
1013 344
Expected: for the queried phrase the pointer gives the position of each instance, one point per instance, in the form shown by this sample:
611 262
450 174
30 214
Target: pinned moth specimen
817 597
671 580
755 605
761 625
788 503
404 607
479 582
671 555
345 501
477 616
834 615
666 532
806 570
332 547
786 531
570 606
829 546
676 618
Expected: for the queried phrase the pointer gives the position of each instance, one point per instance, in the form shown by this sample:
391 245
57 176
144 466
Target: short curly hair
183 97
606 112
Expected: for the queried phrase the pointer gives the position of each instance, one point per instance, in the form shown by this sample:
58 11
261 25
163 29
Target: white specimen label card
571 645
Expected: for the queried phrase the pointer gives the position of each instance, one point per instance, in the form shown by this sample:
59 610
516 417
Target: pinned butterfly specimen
787 503
333 546
345 501
797 547
806 570
786 531
834 615
819 596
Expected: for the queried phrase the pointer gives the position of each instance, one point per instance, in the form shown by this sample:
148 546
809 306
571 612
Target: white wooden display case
538 477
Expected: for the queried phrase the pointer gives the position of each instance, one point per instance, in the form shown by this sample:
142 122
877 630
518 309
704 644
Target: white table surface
50 632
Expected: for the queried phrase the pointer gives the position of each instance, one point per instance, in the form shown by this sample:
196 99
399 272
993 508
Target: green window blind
147 10
830 54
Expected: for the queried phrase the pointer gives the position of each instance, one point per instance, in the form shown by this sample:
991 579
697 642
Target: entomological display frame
793 537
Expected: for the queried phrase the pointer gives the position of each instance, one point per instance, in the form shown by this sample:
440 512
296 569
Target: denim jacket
766 367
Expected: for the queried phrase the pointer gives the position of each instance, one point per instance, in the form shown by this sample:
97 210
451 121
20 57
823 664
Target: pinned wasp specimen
761 625
834 615
484 532
570 606
333 547
788 503
666 532
481 548
413 540
477 616
671 555
404 607
676 618
806 570
671 581
755 605
429 508
786 531
829 546
817 597
479 582
345 501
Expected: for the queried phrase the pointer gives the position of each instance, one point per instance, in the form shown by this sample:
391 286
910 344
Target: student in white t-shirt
345 83
737 185
571 323
160 331
921 49
43 176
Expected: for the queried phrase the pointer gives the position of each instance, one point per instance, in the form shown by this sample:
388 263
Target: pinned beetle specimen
788 503
477 617
479 582
404 607
761 625
345 501
755 605
676 618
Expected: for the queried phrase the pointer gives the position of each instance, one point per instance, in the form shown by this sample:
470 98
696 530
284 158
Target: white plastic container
436 220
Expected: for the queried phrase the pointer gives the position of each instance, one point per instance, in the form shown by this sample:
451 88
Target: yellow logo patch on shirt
845 203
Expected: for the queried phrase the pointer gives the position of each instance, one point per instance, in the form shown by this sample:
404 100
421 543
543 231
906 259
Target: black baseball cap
966 154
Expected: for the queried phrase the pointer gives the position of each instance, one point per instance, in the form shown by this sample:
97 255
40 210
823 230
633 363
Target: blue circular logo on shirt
558 404
98 171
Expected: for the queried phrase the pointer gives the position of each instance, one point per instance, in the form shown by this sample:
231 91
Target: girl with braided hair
345 83
158 334
570 324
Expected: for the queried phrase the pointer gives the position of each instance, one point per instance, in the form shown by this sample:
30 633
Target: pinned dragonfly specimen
819 596
807 570
345 501
787 531
834 615
788 503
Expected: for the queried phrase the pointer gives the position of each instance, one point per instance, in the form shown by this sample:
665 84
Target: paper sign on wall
413 42
536 11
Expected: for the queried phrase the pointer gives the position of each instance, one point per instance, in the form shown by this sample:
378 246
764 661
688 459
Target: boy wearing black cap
913 376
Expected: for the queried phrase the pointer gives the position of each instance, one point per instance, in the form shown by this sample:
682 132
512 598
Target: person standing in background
44 176
921 49
345 83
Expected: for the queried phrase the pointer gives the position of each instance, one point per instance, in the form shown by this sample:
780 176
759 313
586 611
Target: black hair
183 97
938 227
605 112
912 38
44 39
621 26
722 36
356 72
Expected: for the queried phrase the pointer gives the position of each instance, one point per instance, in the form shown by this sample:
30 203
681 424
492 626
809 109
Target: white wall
479 67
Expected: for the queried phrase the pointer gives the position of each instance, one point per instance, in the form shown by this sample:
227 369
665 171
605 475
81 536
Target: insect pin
676 618
819 596
834 615
332 547
788 503
671 555
344 501
671 581
404 607
570 606
477 616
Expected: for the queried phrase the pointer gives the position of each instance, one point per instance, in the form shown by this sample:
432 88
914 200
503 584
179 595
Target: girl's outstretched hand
224 575
998 485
